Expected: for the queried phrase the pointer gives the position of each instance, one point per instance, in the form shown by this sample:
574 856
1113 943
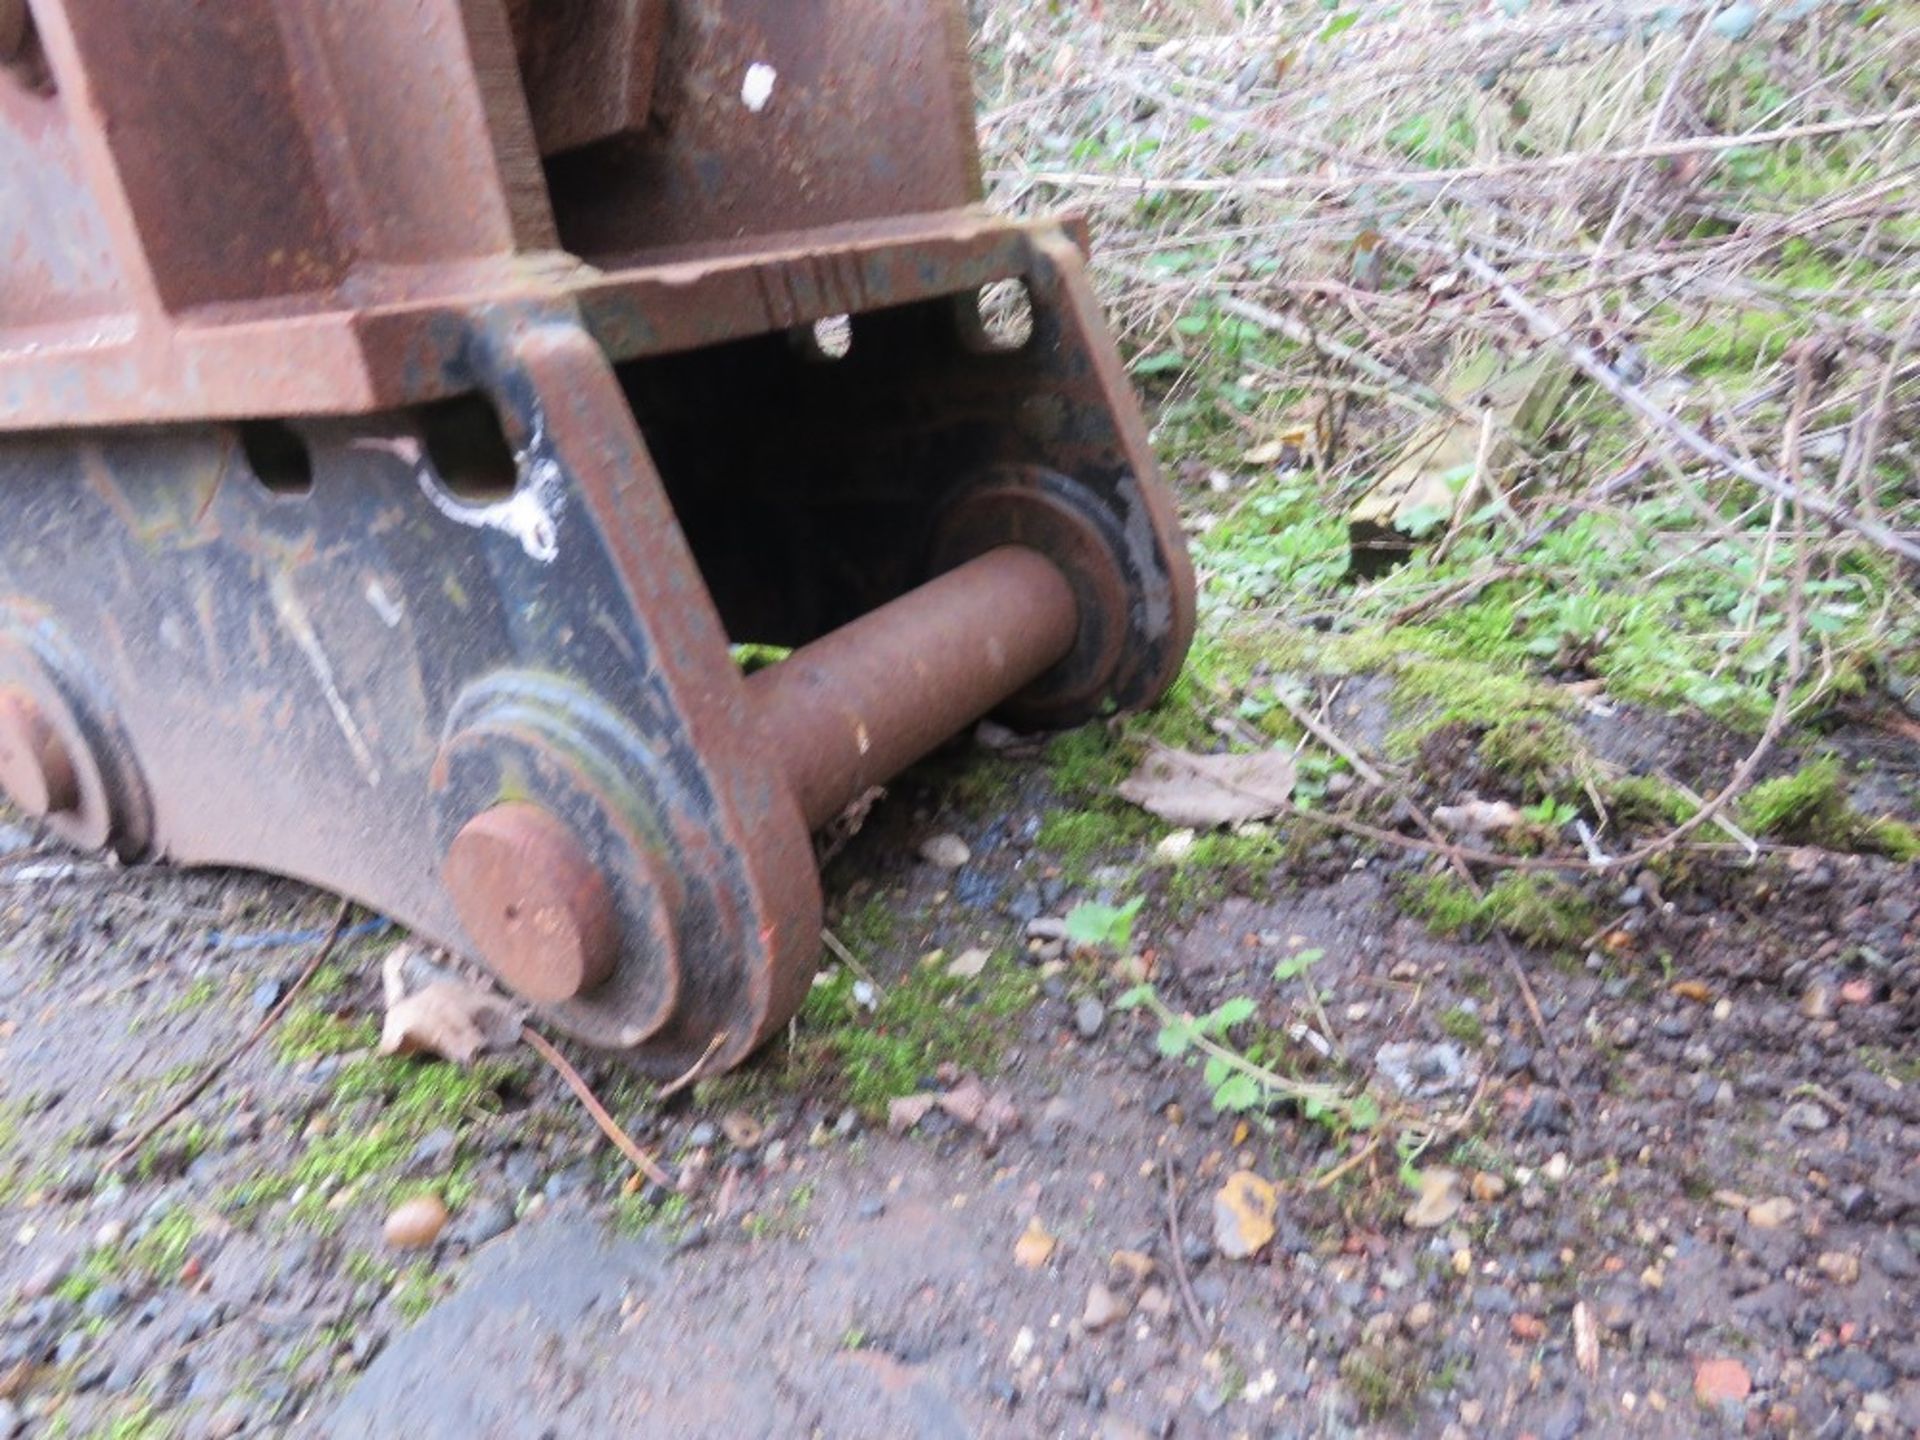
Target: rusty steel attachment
406 408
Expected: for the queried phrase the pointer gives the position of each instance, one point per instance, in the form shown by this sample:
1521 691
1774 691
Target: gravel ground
1691 1205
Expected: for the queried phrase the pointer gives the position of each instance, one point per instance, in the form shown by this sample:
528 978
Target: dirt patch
1708 1156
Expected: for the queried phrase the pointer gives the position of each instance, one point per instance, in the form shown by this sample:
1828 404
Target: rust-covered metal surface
404 407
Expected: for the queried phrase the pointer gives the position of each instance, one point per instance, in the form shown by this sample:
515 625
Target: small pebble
416 1223
1839 1267
1089 1018
1771 1214
946 852
1103 1308
1807 1115
487 1221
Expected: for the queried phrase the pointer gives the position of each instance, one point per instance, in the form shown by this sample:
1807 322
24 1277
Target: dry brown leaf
1429 482
1243 1212
1439 1199
1207 791
453 1020
1034 1247
969 963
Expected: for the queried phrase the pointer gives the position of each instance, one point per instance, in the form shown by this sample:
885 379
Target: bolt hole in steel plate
997 319
53 693
1049 513
278 456
22 57
826 340
36 768
468 450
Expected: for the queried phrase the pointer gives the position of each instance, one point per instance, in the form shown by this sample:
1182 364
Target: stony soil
1691 1205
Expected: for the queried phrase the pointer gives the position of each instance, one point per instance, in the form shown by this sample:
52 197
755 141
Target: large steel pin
858 706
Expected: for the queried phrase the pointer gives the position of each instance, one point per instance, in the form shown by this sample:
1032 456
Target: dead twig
1311 723
847 958
1459 593
1322 184
1303 334
694 1071
214 1071
609 1126
1195 1316
1672 427
1347 1166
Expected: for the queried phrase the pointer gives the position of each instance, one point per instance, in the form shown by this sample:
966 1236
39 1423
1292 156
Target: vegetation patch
1384 1380
1539 910
1224 863
382 1109
1810 807
1537 752
877 1047
1642 801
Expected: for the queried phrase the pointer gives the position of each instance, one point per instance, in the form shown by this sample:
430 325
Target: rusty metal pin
533 902
36 768
858 706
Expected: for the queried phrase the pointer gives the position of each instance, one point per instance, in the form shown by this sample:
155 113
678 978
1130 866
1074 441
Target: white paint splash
531 514
294 620
757 89
384 605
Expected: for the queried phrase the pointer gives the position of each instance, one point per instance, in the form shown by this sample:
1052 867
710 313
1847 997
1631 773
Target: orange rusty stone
1721 1382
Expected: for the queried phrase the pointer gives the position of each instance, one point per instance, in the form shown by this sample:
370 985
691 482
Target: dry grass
1308 220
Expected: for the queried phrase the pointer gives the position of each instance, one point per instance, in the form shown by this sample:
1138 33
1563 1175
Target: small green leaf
1339 24
1236 1093
1419 521
1364 1112
1292 967
1136 997
1176 1037
1232 1012
1110 926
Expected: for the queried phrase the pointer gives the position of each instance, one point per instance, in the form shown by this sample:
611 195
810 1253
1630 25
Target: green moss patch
1810 807
924 1019
1538 910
